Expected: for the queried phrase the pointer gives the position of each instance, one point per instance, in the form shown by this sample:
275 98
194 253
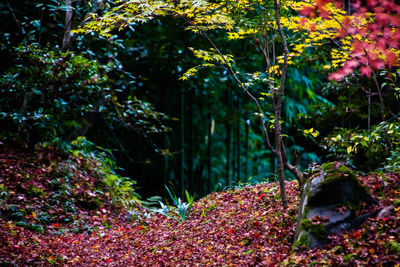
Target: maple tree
369 37
366 38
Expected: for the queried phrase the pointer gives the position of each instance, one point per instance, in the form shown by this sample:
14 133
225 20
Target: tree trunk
278 110
66 43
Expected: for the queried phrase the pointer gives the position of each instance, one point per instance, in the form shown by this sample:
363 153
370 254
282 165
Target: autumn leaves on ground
51 215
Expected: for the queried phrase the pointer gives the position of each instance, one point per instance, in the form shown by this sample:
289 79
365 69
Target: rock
328 202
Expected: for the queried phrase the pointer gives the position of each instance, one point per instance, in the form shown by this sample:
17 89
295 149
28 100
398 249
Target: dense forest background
124 95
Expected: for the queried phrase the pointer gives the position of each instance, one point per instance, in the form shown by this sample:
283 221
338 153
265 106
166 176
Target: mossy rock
336 184
333 186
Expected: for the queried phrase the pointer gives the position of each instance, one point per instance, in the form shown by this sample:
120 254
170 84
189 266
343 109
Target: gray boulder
329 200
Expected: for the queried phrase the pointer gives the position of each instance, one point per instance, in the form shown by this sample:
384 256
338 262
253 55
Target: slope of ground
239 227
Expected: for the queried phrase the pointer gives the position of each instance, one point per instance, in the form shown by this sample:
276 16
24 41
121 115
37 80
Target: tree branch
244 88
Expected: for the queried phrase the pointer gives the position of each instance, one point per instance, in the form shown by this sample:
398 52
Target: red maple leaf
306 11
352 64
324 13
377 63
336 76
391 59
366 70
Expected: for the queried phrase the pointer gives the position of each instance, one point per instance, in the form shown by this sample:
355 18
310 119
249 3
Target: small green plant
3 193
393 247
182 209
393 162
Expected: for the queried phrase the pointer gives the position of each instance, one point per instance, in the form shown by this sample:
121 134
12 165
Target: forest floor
44 221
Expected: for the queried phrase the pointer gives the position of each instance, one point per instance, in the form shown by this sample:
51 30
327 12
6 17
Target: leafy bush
120 188
367 149
48 94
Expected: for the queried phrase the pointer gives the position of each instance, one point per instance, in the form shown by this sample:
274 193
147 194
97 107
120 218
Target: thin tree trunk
209 152
42 18
66 43
228 136
234 141
190 133
20 28
238 139
182 143
382 106
165 166
247 126
369 110
278 110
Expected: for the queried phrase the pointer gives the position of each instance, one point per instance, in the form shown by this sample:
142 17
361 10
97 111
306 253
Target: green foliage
366 149
392 163
392 82
48 94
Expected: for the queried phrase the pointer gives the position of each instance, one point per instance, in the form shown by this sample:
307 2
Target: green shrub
367 150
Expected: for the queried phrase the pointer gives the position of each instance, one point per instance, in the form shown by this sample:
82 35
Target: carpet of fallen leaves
239 227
